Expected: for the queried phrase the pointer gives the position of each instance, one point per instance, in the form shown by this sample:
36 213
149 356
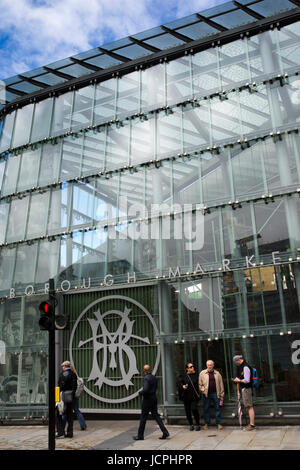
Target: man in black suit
149 404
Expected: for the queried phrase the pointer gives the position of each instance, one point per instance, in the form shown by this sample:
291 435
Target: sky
34 33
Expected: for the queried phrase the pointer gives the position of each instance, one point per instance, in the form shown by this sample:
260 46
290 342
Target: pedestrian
244 379
212 387
191 396
76 409
149 404
67 382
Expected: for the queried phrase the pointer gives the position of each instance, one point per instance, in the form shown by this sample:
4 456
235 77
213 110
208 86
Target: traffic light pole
51 377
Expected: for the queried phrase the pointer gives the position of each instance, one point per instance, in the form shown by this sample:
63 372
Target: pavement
117 436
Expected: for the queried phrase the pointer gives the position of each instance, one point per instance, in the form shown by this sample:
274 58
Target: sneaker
191 428
59 436
197 428
220 427
205 427
249 428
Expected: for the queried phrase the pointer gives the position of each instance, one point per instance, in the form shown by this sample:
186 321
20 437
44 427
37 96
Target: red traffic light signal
47 310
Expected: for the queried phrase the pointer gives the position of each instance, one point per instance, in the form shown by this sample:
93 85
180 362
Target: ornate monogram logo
111 349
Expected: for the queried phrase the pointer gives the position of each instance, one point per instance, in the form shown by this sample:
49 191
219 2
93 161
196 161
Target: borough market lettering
109 280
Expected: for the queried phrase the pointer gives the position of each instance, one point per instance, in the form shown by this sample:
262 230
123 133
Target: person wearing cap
67 382
244 379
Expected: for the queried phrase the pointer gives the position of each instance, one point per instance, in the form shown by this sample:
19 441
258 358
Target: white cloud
39 32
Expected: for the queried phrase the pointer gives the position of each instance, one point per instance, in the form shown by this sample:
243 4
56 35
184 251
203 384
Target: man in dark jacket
149 404
67 381
191 396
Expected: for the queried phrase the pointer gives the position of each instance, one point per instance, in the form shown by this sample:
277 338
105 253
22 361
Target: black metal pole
51 376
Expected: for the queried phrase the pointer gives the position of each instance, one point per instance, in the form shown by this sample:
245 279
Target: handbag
67 396
198 395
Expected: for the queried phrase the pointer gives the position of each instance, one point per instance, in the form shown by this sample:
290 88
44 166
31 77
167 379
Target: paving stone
116 435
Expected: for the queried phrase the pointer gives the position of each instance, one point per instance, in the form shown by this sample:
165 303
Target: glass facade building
157 180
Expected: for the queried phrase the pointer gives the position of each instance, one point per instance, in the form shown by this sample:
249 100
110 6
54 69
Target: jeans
207 400
78 413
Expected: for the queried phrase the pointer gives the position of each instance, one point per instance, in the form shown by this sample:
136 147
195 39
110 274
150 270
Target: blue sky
37 32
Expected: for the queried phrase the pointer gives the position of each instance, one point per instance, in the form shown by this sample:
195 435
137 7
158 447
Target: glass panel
105 101
106 206
142 140
248 170
82 205
272 232
22 126
225 117
128 100
117 148
237 232
29 170
7 264
286 371
234 19
205 72
179 80
11 175
7 131
71 157
60 202
196 127
158 187
198 30
233 63
17 220
93 152
4 208
255 112
210 252
38 215
42 120
271 7
165 41
288 273
263 54
186 182
169 135
289 46
25 264
76 70
62 114
95 245
153 87
83 107
132 190
201 305
50 163
48 260
2 169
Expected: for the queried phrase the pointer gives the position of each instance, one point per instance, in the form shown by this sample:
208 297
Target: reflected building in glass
157 180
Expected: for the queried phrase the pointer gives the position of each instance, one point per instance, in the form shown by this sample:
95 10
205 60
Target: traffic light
61 321
47 312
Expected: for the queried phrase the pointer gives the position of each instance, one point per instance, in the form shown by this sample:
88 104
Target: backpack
255 378
80 387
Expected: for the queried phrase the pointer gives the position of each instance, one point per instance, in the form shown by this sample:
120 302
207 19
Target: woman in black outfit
191 396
